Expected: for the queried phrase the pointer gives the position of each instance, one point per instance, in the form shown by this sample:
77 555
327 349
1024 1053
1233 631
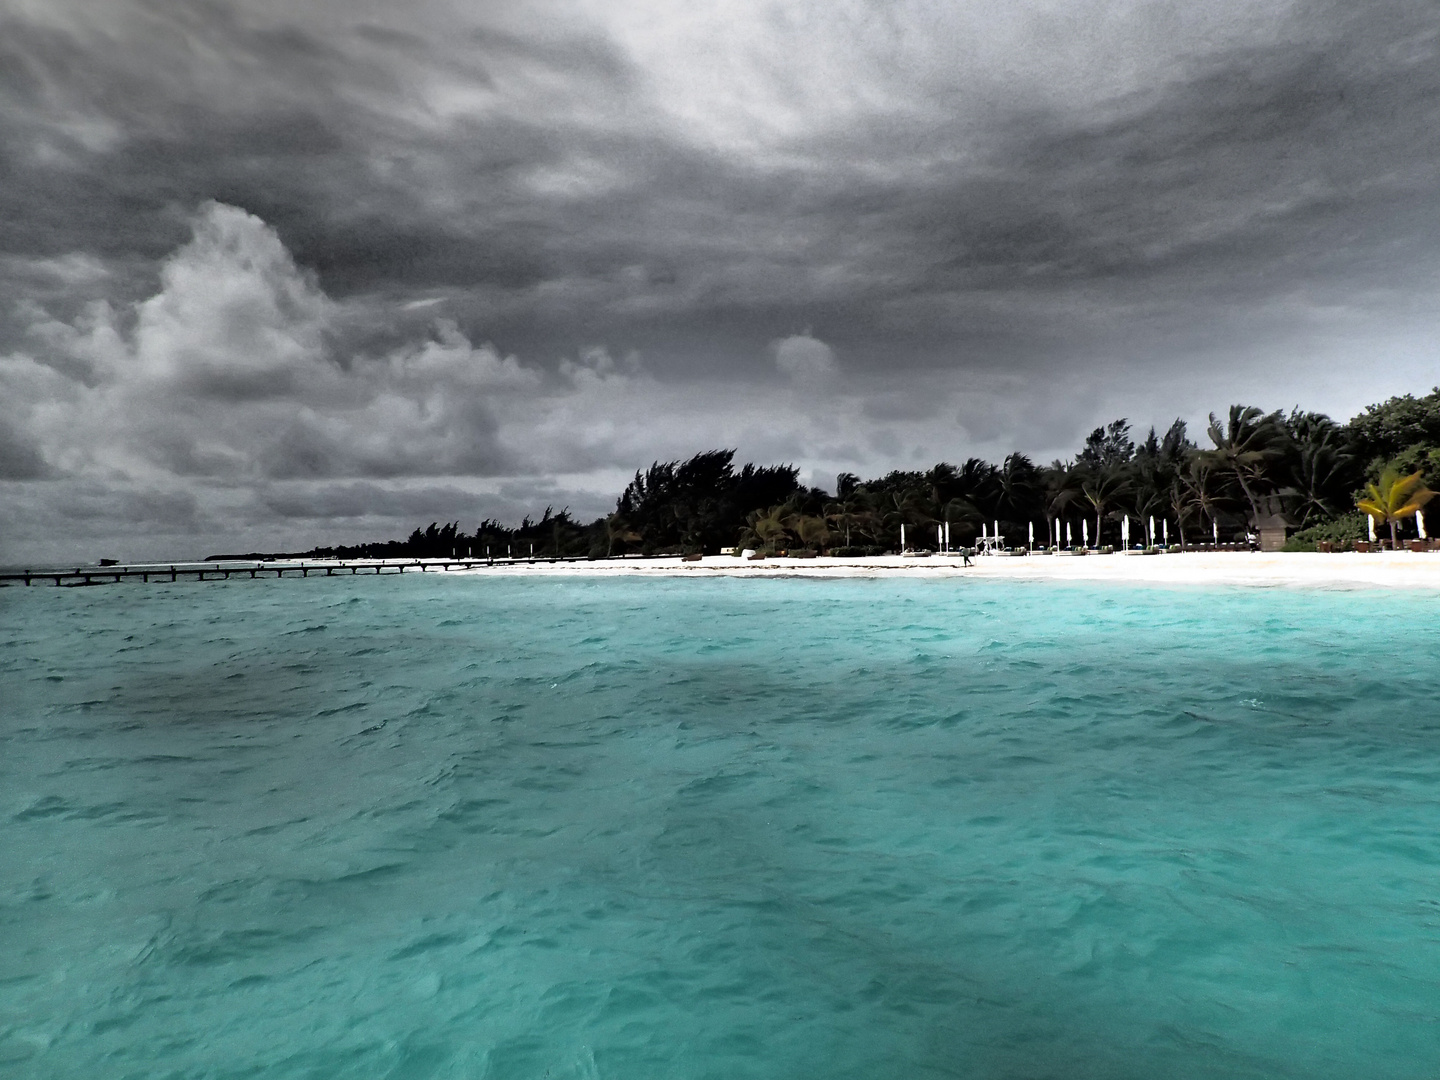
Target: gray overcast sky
276 274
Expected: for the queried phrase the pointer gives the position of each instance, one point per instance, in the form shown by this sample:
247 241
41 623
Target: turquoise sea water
494 827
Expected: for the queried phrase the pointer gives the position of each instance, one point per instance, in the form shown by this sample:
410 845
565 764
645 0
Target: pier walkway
225 570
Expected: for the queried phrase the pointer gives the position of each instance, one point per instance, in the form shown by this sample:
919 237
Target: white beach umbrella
1420 525
1057 532
1085 532
1165 528
1031 541
1150 536
902 536
1371 522
1068 540
1215 531
947 536
997 529
940 537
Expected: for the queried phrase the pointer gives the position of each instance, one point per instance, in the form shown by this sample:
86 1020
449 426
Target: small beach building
1272 526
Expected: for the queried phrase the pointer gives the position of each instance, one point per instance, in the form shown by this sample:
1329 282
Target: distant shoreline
1346 570
1390 569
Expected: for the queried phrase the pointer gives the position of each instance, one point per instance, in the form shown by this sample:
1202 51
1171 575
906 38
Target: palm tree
813 531
842 515
1321 468
852 511
961 511
617 529
1196 490
1021 489
909 509
942 481
1181 506
767 527
1061 487
1147 498
977 482
1244 446
1393 497
1102 488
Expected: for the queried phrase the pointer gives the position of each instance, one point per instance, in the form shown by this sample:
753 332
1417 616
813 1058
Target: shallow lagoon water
506 828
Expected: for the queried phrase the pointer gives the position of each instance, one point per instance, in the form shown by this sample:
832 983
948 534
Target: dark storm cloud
1261 175
979 216
188 102
1205 182
101 507
377 502
362 500
20 459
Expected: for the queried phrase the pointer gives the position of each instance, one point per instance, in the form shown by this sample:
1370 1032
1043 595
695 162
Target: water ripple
503 828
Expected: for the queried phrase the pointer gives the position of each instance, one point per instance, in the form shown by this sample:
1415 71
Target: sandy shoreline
1348 570
1401 569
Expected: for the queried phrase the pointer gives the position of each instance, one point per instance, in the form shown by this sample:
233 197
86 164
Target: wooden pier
224 571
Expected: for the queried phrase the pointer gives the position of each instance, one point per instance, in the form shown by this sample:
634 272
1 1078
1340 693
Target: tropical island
1296 481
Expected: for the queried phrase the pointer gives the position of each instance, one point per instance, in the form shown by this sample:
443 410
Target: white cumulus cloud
805 359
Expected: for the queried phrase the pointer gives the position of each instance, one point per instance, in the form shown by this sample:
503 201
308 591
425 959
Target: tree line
1316 475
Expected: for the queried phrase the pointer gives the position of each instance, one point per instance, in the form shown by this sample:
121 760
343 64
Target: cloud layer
254 256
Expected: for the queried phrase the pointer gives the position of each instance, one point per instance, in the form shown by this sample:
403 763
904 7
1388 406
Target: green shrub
1342 532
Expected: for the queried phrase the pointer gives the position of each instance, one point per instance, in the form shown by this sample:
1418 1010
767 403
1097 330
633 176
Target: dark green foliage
553 535
1386 431
1302 468
1343 531
1021 488
1108 447
700 504
1420 458
1321 470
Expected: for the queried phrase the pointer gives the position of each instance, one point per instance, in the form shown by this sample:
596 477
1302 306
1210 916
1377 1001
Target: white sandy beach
1401 569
